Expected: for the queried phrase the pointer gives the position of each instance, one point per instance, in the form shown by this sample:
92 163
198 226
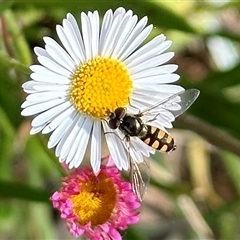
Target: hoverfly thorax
132 126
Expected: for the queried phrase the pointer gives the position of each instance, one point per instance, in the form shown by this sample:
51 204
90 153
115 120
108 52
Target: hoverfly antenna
112 115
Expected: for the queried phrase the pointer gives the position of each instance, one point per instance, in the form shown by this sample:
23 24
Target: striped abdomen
158 139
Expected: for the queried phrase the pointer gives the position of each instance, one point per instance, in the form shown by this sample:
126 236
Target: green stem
13 63
22 51
5 125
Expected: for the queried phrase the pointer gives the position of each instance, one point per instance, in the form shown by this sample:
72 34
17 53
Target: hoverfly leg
139 111
154 118
115 135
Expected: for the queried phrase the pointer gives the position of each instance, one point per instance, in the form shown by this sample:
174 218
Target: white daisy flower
96 69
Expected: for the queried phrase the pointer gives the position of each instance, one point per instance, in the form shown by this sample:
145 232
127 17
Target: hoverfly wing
186 99
140 177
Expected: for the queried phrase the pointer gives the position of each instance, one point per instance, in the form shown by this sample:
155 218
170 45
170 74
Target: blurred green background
195 191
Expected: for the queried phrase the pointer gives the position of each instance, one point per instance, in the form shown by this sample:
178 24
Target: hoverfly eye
120 112
113 123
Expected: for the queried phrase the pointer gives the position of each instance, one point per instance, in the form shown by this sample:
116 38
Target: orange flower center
96 201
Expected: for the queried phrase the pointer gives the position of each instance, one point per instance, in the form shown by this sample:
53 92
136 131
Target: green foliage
195 191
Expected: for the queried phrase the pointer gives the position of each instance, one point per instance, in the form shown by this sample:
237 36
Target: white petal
125 29
35 130
106 26
82 143
59 54
153 48
28 85
116 148
73 40
70 141
50 114
173 107
110 38
58 120
41 52
53 78
58 133
87 35
134 33
48 87
39 96
146 54
151 63
53 66
136 156
79 46
37 108
67 45
166 115
144 102
38 69
166 78
94 22
142 95
67 136
119 12
164 69
95 158
158 99
135 43
29 91
163 118
162 122
162 88
60 59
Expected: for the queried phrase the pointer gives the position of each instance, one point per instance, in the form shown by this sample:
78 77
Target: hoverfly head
116 117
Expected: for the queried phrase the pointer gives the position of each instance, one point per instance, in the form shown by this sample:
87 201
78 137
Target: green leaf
229 230
13 63
20 44
10 95
5 5
219 80
157 13
22 191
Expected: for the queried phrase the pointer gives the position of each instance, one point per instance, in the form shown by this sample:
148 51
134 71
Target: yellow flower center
96 200
100 86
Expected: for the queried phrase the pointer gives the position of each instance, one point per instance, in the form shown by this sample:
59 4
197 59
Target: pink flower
96 205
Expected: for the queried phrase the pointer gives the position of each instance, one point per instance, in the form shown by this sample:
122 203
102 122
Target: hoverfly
132 125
